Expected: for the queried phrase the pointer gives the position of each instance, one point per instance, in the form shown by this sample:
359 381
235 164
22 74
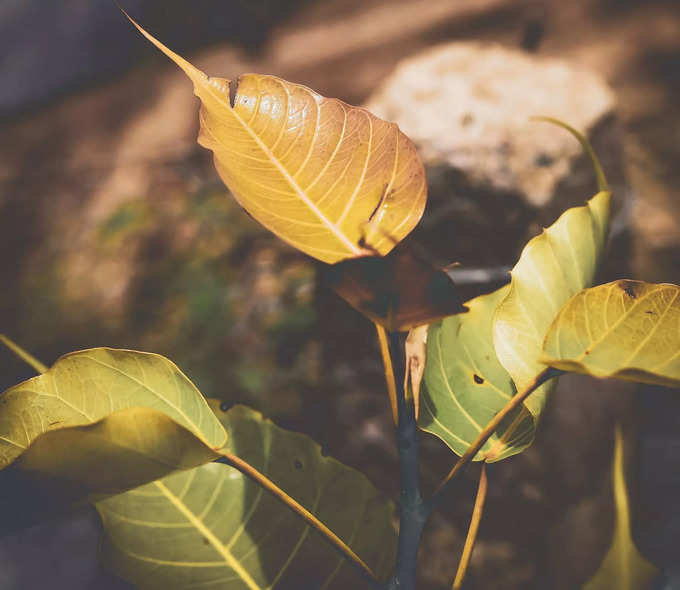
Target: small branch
28 358
413 512
489 429
260 479
472 530
389 371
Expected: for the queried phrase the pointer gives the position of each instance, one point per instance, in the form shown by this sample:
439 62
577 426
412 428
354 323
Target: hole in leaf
298 464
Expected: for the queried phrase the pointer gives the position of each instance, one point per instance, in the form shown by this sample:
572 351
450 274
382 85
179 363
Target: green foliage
478 360
99 422
625 329
214 528
553 266
467 385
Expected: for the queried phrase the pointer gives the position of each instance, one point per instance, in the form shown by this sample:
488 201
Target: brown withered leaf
399 291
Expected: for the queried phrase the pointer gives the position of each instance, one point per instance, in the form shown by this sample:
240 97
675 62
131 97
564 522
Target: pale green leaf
212 528
98 422
553 266
623 568
466 386
625 329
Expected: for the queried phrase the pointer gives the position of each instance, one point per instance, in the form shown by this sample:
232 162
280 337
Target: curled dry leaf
399 291
331 179
625 329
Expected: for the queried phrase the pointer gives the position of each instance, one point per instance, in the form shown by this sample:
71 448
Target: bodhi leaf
553 266
212 527
625 329
331 179
466 386
623 567
99 422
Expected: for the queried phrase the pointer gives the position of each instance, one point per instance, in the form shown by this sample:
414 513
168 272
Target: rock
467 106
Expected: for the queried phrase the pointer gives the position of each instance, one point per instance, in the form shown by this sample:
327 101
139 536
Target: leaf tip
194 74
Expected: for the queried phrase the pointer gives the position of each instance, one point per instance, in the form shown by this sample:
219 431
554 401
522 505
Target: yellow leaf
625 329
331 179
623 568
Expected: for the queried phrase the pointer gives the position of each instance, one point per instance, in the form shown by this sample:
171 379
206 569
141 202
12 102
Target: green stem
413 510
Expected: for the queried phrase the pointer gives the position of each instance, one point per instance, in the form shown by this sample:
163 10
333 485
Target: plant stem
472 530
27 357
489 429
339 545
389 371
413 511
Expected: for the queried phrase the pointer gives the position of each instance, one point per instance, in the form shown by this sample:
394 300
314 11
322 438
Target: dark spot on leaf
224 406
298 464
478 380
324 450
629 288
233 90
587 352
649 311
205 541
467 119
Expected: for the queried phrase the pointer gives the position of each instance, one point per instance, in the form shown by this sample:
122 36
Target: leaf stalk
476 518
338 544
488 430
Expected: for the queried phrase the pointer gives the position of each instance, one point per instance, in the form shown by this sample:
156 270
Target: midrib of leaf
208 534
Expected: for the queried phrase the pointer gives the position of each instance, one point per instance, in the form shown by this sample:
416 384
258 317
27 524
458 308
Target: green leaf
99 422
625 329
466 386
553 266
623 567
211 527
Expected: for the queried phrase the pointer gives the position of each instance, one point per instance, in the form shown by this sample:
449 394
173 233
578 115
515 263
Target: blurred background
116 231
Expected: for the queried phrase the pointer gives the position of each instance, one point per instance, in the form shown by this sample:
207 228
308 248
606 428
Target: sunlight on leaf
466 386
553 266
623 568
333 180
625 329
98 422
211 527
